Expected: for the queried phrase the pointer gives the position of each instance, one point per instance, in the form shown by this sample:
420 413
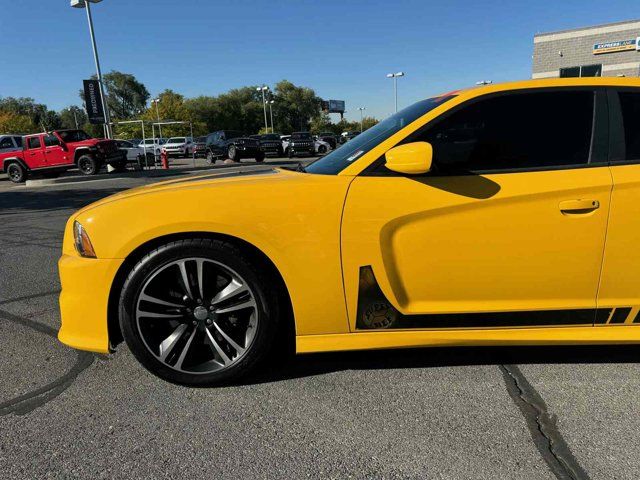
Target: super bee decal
375 312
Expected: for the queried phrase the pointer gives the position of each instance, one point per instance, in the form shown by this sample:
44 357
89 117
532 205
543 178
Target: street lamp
271 102
362 109
263 89
86 4
484 82
395 85
157 101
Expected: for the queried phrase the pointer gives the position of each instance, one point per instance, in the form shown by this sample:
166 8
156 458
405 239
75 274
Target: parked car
349 135
200 146
135 153
232 144
270 144
498 215
135 141
320 146
330 138
10 143
178 147
50 153
301 144
153 144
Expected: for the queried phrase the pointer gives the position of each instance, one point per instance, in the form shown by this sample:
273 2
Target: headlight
82 242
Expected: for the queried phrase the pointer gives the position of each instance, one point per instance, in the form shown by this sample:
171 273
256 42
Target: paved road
523 413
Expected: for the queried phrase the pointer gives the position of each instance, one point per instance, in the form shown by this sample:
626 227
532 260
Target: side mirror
412 158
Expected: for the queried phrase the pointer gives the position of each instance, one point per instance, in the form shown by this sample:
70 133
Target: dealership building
604 50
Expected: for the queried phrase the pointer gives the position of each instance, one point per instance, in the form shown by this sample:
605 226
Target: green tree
39 115
126 96
69 115
294 107
16 123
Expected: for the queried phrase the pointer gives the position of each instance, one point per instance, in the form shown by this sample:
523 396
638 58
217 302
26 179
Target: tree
125 95
294 107
69 116
38 114
16 123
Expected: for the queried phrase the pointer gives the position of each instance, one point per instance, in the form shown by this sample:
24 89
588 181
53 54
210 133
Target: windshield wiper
300 168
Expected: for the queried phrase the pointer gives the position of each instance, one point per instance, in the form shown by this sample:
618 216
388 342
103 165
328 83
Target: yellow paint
496 242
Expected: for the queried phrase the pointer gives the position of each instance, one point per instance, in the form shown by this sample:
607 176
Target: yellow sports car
504 214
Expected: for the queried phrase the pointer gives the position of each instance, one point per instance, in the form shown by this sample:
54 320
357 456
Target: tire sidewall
16 166
228 256
91 162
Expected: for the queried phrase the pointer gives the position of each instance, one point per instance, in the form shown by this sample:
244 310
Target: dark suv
301 144
232 144
270 143
330 138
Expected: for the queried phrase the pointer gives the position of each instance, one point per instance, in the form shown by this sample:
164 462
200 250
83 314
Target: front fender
294 219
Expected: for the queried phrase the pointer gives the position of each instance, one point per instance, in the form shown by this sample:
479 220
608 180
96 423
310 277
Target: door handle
576 207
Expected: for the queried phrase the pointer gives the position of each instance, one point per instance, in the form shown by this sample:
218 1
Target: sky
341 49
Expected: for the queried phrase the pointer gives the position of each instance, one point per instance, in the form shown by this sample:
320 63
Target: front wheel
260 157
198 312
210 159
322 149
88 165
233 153
16 173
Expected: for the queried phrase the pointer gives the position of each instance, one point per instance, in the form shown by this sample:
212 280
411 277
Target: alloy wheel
196 315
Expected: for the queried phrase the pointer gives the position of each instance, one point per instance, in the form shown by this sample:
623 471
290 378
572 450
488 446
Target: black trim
620 315
375 312
617 148
598 153
637 319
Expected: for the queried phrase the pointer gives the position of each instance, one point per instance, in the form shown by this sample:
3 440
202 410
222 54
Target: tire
187 339
260 157
150 159
280 152
322 149
88 165
289 152
210 159
233 154
17 173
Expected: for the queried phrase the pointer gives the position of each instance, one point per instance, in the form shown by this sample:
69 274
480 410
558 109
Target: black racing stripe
602 315
620 315
375 312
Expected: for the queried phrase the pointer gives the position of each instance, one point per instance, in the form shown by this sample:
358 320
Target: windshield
299 135
177 140
229 134
201 140
341 158
74 135
271 136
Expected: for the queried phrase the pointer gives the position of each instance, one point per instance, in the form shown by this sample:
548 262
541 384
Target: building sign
93 101
619 46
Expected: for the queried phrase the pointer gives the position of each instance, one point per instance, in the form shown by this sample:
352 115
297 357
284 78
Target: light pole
75 118
362 109
395 85
484 82
271 102
157 101
263 89
86 4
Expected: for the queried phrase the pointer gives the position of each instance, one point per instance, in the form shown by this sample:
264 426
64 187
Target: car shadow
309 365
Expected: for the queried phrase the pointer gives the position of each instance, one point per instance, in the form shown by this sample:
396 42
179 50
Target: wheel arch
9 160
79 152
256 255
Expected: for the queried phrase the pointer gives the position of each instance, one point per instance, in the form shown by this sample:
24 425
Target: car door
507 230
620 283
53 151
34 154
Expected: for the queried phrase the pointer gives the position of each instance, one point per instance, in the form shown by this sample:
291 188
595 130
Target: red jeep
50 153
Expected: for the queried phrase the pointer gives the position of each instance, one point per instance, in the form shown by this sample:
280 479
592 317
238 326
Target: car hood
219 178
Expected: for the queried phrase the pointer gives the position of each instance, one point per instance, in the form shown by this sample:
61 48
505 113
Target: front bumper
86 283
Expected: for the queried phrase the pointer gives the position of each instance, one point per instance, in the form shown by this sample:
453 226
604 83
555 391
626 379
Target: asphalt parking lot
522 413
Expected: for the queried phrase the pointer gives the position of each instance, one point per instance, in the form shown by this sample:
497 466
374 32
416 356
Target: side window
51 141
630 105
18 141
6 142
514 131
33 142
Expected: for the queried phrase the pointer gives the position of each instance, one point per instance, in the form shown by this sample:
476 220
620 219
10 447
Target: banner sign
93 102
619 46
